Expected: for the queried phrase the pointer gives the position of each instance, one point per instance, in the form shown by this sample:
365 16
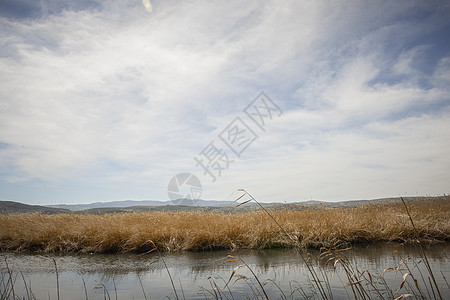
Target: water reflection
194 271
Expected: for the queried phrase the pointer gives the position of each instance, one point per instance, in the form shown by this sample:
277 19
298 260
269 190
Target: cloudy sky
109 100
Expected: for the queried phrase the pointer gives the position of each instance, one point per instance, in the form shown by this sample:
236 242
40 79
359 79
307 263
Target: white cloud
378 160
127 95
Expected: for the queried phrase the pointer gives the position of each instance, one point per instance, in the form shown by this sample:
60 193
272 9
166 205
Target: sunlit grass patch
200 230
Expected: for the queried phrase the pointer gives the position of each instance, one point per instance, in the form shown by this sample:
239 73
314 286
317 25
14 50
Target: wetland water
195 274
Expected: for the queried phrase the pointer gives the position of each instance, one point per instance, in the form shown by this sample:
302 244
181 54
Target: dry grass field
176 231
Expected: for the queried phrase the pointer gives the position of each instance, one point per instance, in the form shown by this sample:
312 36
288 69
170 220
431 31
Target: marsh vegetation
199 230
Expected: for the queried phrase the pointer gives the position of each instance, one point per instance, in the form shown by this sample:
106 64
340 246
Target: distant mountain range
8 207
132 203
200 203
181 204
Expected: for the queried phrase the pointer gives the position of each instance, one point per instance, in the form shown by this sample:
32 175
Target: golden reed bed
175 231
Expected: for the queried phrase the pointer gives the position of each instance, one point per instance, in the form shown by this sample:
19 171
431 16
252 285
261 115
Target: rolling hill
7 207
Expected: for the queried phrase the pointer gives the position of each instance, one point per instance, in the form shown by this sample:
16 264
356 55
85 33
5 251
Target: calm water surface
198 275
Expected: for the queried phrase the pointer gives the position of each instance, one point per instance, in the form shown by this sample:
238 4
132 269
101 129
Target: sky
290 100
